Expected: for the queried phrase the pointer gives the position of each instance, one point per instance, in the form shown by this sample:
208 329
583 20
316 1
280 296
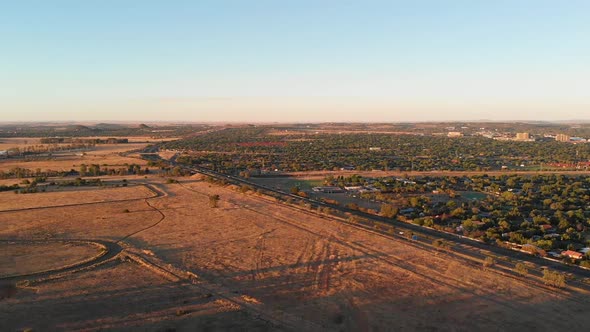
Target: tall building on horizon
562 138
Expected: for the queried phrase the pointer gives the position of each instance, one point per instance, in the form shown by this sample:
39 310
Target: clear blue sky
294 60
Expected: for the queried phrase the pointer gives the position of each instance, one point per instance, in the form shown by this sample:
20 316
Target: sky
294 60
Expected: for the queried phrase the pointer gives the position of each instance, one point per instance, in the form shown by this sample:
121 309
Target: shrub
521 269
489 262
554 278
213 199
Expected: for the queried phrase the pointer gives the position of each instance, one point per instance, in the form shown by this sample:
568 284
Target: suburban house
572 254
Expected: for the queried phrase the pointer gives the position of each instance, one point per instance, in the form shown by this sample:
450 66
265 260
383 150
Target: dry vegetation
258 265
70 196
104 154
20 258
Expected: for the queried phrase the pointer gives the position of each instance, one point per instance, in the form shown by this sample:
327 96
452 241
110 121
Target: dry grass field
23 142
253 264
111 155
21 258
70 196
104 155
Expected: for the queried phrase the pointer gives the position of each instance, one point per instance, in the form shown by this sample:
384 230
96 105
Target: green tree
521 269
554 278
489 262
388 210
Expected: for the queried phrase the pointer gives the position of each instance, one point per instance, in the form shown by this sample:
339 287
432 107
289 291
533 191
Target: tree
489 262
213 199
440 243
388 210
521 269
553 278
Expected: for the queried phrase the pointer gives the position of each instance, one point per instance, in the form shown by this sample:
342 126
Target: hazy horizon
295 61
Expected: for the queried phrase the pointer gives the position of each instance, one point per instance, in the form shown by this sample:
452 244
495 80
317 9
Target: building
572 254
353 188
328 190
455 134
3 154
523 136
562 138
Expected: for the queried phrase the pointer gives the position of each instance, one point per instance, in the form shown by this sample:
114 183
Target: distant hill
109 126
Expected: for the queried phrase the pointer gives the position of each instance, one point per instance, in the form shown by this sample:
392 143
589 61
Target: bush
489 262
554 278
213 199
440 243
521 269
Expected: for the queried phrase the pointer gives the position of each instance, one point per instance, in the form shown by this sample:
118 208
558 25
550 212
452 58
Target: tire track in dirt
160 193
275 318
292 278
315 256
325 267
258 256
162 217
419 246
425 273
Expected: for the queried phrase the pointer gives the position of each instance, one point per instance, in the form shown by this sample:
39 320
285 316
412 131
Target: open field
122 297
111 155
24 142
70 196
259 265
24 258
106 154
